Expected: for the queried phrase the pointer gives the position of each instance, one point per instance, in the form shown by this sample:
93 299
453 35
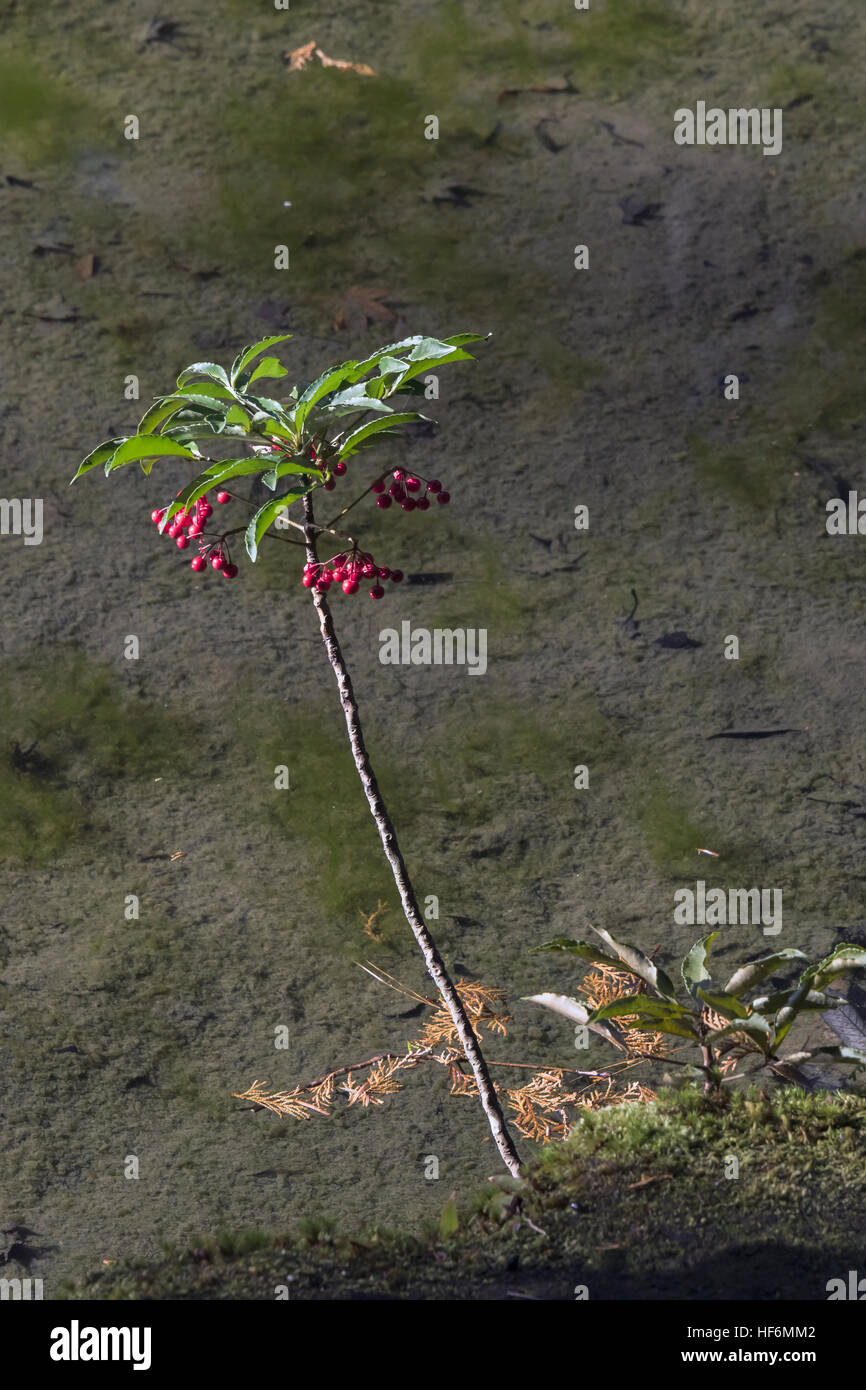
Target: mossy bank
762 1198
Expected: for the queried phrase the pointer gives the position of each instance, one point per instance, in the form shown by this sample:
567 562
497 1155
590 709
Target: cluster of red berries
187 526
347 570
404 488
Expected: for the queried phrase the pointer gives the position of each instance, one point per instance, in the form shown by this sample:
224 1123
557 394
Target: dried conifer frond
481 1003
602 985
539 1106
281 1102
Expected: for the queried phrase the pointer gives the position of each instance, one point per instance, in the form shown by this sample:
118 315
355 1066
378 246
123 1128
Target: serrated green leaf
757 970
316 391
212 370
353 441
265 517
694 966
249 354
162 409
146 446
639 964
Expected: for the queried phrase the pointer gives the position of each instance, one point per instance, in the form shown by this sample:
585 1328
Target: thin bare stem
433 960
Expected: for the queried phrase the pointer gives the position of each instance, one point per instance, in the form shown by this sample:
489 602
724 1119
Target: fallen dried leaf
647 1178
298 58
84 267
360 300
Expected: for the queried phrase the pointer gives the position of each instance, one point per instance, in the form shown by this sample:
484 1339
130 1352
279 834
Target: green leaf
835 1053
639 964
271 478
270 367
265 517
754 1027
162 409
238 416
146 446
448 1222
212 370
579 948
426 355
573 1009
350 401
329 381
249 354
210 393
842 959
660 1015
723 1003
220 472
101 454
694 966
643 1004
353 442
813 1001
756 970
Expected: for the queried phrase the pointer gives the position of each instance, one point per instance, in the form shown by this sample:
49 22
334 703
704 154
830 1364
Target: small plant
721 1023
308 441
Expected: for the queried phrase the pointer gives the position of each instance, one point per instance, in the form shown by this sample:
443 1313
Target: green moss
68 741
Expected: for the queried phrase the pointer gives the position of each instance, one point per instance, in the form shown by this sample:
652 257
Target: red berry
378 486
217 561
434 485
398 474
182 542
307 581
338 575
197 564
384 502
194 530
174 530
377 591
368 570
350 586
384 571
396 576
408 505
339 468
230 571
329 485
422 504
323 585
223 496
413 484
444 497
339 559
207 510
157 515
397 491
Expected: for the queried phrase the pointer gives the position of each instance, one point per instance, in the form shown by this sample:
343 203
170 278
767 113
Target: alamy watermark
444 646
737 907
22 516
736 126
